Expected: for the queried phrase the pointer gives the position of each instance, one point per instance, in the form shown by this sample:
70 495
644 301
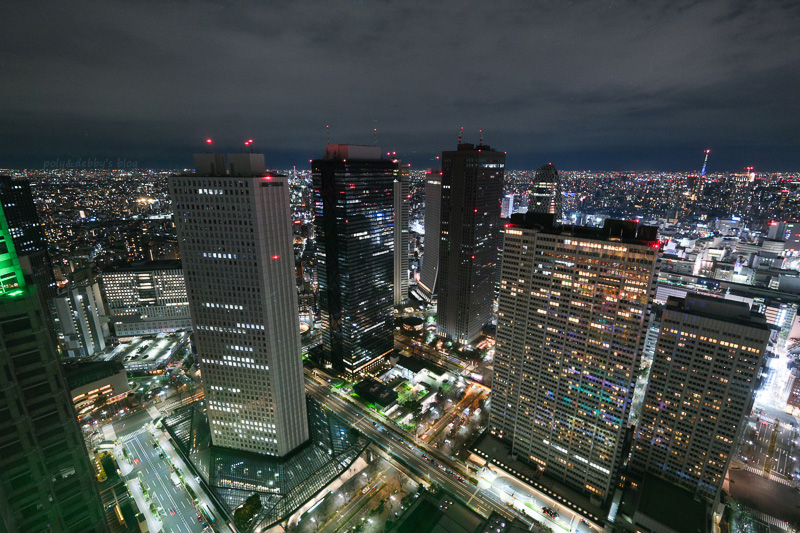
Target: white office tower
705 368
430 256
78 322
234 232
402 199
570 331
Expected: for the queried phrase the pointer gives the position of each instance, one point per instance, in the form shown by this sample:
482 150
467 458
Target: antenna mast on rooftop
705 161
460 134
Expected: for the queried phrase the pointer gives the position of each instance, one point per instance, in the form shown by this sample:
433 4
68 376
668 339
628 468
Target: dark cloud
589 84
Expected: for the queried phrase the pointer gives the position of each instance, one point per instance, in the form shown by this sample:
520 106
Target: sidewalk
497 453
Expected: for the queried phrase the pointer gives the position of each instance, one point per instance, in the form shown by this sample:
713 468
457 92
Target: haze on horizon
613 85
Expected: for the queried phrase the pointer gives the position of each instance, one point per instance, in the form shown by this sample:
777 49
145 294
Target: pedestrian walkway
132 435
772 476
109 433
769 520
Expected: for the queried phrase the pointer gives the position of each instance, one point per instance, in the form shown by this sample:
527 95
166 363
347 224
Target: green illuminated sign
11 280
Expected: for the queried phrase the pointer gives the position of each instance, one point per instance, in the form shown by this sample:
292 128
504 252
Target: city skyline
615 86
376 267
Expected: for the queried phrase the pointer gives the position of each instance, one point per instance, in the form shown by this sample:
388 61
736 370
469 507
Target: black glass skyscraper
546 192
472 187
354 232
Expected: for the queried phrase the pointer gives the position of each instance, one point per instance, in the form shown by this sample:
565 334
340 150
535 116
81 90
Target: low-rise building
95 383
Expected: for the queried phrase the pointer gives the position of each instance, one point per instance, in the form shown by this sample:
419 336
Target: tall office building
402 199
546 196
507 208
27 234
701 386
354 229
47 481
430 256
472 187
146 298
571 327
78 322
234 232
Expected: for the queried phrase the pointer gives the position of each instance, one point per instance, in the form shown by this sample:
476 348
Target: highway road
153 473
491 497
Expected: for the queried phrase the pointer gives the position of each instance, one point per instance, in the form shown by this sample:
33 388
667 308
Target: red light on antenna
473 257
275 256
208 141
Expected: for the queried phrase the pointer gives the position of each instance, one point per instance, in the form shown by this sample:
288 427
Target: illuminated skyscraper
401 202
27 234
472 187
704 371
47 482
570 332
508 206
354 231
235 237
430 257
546 192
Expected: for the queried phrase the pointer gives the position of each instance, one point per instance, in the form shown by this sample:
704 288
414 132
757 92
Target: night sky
585 85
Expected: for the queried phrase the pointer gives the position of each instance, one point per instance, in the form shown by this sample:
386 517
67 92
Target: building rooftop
438 513
659 499
375 391
626 231
352 151
79 373
718 309
148 266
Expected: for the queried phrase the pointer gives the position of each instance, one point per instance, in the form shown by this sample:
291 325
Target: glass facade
282 484
472 188
354 232
546 192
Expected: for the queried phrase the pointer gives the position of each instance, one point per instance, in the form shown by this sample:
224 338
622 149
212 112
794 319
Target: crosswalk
773 477
771 520
134 434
